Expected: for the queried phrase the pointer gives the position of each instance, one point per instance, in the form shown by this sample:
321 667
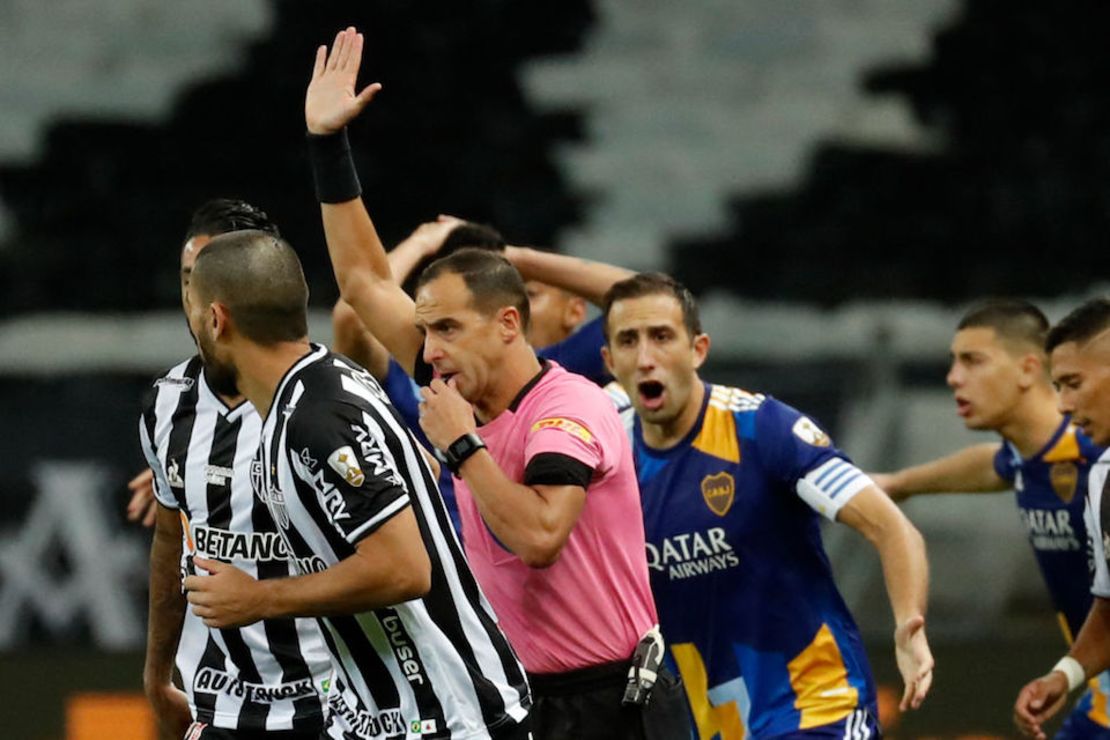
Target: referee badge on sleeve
344 462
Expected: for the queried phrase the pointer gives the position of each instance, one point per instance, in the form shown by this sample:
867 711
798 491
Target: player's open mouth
963 407
651 394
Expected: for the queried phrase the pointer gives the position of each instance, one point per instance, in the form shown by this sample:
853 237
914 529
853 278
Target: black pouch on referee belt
646 661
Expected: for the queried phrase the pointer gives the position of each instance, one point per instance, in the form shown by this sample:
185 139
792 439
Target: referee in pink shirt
546 484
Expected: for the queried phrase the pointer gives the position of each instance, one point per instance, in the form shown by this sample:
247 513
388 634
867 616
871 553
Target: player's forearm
404 258
355 250
354 585
901 551
166 607
970 470
518 515
586 278
352 339
1092 645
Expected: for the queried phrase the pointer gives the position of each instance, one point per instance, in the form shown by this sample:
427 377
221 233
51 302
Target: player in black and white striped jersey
271 676
416 647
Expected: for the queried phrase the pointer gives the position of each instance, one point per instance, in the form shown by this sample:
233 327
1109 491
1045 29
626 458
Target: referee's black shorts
586 705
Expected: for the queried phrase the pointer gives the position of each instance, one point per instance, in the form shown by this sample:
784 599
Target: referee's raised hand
331 102
227 597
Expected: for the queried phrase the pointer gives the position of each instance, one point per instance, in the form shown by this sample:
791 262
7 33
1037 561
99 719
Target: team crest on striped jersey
1064 477
719 492
344 462
805 430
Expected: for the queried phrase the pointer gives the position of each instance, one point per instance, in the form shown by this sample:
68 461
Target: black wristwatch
461 449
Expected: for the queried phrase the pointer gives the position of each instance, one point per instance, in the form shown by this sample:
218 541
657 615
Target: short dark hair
1011 318
1081 325
466 234
653 283
492 280
223 215
470 234
259 278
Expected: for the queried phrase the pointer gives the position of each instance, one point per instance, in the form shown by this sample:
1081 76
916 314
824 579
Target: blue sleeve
403 393
581 352
1004 464
790 444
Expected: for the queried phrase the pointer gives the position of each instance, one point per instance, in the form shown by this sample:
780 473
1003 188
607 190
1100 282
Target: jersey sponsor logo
805 430
374 456
719 492
567 425
1064 477
222 544
404 649
692 554
182 383
212 681
173 474
217 475
364 724
1050 530
331 498
344 462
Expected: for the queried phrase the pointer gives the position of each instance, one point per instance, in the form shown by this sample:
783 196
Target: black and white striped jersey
337 462
271 675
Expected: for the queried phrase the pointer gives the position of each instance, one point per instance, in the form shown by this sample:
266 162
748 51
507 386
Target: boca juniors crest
1064 477
719 492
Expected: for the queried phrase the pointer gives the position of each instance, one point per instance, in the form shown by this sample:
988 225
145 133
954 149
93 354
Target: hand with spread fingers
331 101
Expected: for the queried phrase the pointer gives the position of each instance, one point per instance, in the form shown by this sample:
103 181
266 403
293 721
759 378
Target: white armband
829 487
1074 672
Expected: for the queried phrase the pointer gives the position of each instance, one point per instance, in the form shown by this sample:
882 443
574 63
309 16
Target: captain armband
830 486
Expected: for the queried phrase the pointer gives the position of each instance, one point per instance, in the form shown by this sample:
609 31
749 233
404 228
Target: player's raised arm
358 258
906 572
585 278
971 470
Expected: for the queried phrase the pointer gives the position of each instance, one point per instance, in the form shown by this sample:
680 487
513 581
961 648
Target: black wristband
333 170
461 450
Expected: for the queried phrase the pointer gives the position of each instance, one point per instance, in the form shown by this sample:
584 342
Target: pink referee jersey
594 603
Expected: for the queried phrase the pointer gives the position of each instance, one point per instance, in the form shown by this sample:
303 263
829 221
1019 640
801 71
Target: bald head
258 277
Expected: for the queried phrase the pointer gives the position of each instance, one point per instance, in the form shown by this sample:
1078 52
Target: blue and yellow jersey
1051 487
744 590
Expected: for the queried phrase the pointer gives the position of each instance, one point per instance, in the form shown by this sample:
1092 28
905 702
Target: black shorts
586 705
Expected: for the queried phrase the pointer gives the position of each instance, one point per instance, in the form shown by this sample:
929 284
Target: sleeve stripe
853 477
830 467
830 486
844 470
379 518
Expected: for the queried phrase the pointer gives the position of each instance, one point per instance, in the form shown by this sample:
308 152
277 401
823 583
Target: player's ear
607 359
1032 370
219 320
701 350
508 323
574 312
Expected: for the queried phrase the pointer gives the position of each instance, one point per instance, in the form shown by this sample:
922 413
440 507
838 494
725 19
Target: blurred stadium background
835 178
